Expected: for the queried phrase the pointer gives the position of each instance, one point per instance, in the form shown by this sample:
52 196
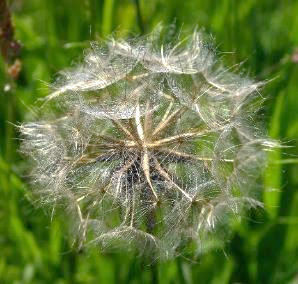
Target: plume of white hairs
148 144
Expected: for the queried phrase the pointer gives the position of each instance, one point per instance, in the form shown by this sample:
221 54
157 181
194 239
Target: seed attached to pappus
148 145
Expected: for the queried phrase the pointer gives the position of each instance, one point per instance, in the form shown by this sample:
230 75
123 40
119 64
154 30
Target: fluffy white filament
148 144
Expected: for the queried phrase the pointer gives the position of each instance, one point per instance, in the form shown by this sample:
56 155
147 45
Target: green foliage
263 34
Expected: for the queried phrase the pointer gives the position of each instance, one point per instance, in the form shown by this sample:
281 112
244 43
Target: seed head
148 144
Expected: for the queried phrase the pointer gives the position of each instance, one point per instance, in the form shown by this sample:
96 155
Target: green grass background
261 33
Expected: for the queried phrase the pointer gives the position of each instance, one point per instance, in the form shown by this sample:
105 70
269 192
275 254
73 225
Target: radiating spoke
123 129
116 141
121 172
118 176
95 157
140 129
166 114
177 154
182 155
167 177
179 137
111 145
148 120
168 119
146 170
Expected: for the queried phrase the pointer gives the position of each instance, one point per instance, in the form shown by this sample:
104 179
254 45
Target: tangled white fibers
148 144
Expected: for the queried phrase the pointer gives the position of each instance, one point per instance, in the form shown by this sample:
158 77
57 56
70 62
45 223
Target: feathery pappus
148 144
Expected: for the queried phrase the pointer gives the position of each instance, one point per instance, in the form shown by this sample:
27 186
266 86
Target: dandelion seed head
148 144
